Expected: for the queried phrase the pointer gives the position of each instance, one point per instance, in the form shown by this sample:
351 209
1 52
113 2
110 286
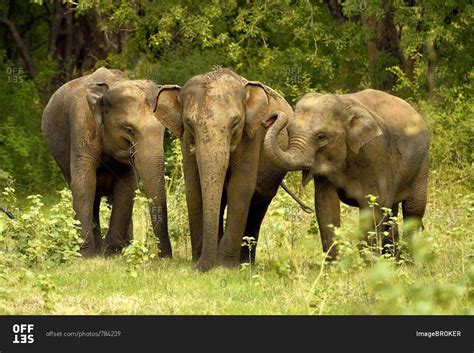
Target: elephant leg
192 186
97 230
327 206
240 190
414 206
257 212
83 187
123 193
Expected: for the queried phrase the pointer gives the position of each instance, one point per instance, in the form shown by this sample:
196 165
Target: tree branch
22 49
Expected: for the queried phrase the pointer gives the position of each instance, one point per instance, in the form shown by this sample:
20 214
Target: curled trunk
299 154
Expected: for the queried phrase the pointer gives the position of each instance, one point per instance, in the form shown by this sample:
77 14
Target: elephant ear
362 127
257 102
94 94
168 109
151 90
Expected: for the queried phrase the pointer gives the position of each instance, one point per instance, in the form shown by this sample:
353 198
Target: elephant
355 145
217 117
102 132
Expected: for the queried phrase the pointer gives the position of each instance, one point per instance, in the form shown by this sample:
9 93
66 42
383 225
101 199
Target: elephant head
131 134
325 129
212 114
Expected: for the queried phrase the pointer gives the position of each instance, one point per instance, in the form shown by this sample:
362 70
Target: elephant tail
8 213
303 206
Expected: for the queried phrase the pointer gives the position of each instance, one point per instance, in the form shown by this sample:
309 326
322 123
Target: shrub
38 236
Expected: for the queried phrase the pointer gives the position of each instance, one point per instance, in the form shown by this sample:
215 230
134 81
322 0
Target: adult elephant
101 129
218 118
353 145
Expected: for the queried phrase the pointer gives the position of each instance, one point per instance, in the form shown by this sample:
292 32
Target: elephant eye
129 129
321 136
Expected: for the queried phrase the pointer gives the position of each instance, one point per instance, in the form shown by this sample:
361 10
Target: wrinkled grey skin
101 130
354 145
218 118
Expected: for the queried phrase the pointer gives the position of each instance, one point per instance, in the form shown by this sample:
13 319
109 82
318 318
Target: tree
22 48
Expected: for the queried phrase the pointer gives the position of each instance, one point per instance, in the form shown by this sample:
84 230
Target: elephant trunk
149 161
213 166
299 154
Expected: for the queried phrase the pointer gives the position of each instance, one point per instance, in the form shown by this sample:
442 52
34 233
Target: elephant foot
165 252
98 250
112 250
165 255
228 261
204 265
228 255
331 254
196 255
88 249
87 252
229 264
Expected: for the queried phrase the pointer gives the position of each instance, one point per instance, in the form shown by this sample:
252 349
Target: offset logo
23 333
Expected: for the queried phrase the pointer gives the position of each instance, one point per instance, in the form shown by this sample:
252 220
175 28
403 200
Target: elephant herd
238 139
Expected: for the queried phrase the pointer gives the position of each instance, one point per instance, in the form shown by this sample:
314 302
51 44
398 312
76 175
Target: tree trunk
383 47
335 8
76 42
22 48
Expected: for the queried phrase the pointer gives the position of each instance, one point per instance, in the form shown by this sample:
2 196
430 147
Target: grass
290 276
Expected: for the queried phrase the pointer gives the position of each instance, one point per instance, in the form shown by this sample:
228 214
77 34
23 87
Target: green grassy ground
290 276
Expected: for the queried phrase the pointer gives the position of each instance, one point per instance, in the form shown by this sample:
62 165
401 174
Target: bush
451 131
143 247
38 236
24 155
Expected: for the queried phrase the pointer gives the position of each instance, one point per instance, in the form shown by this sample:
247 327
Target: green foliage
294 46
452 132
142 248
392 293
178 225
39 236
38 239
391 286
293 52
24 156
405 87
137 255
